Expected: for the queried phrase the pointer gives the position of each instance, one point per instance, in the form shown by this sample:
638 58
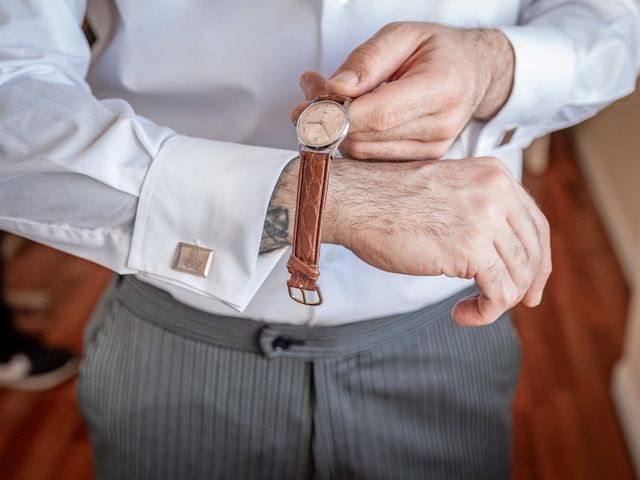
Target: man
174 146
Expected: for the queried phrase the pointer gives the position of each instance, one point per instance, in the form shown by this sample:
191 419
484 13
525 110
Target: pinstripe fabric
435 404
174 393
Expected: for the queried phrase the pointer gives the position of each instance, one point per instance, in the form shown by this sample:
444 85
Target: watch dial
321 124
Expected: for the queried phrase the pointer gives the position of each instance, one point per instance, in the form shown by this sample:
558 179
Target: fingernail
347 77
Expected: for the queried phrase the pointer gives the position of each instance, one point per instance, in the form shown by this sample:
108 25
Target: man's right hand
464 218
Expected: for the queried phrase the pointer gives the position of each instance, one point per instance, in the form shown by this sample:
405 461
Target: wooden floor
565 424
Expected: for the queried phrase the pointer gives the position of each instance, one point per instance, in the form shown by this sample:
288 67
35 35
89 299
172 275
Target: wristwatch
321 127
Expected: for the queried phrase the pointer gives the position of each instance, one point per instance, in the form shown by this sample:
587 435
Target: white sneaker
34 366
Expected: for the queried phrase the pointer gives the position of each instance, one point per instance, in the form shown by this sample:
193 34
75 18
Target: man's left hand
416 86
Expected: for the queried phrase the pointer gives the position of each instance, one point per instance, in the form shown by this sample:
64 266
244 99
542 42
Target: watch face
322 124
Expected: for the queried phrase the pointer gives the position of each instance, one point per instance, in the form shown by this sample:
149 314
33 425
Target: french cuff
545 64
200 217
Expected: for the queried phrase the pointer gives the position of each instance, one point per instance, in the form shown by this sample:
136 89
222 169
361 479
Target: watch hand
325 128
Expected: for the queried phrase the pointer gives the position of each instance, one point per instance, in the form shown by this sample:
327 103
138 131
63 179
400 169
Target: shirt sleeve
572 58
92 178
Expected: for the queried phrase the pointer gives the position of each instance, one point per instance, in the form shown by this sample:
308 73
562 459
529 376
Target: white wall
608 147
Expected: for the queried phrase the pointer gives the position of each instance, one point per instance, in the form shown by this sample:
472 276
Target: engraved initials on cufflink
193 259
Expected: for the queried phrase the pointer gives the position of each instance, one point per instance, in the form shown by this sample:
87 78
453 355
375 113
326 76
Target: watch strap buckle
303 299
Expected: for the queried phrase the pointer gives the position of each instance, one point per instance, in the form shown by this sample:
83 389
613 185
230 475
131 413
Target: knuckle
454 94
492 162
380 118
368 54
542 275
502 299
507 297
437 151
467 269
399 27
528 278
477 244
503 296
526 258
410 104
444 131
454 91
392 27
497 178
487 207
461 268
544 226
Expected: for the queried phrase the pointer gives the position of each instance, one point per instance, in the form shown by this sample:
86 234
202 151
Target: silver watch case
332 147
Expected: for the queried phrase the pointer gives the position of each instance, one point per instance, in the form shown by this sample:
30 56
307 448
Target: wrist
335 223
284 200
495 63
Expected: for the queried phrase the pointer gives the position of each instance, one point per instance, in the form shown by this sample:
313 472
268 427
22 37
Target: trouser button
281 343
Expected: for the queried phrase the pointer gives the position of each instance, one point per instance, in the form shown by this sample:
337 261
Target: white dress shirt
175 128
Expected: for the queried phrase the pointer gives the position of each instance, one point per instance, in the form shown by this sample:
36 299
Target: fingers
397 103
376 60
506 278
533 295
520 262
313 85
406 150
298 110
427 128
519 250
497 294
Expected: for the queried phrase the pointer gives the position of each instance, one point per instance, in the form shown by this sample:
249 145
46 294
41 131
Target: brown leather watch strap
333 98
313 180
312 190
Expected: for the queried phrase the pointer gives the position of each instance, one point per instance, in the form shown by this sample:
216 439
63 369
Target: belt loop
266 340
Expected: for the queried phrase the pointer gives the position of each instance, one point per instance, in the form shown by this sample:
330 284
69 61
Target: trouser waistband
273 340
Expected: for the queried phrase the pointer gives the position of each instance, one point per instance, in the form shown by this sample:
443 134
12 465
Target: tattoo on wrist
276 229
275 233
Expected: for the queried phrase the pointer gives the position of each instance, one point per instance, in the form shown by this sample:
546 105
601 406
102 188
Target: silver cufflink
193 259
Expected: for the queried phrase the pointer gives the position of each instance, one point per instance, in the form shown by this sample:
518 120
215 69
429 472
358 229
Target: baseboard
626 397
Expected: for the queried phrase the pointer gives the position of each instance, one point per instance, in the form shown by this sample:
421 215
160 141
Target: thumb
376 60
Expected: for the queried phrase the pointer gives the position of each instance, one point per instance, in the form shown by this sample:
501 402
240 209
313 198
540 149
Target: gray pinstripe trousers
170 392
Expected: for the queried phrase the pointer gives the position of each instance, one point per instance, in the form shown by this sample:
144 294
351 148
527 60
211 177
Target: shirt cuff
545 64
212 195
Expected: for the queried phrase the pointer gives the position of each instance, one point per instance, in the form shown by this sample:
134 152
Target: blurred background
577 410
